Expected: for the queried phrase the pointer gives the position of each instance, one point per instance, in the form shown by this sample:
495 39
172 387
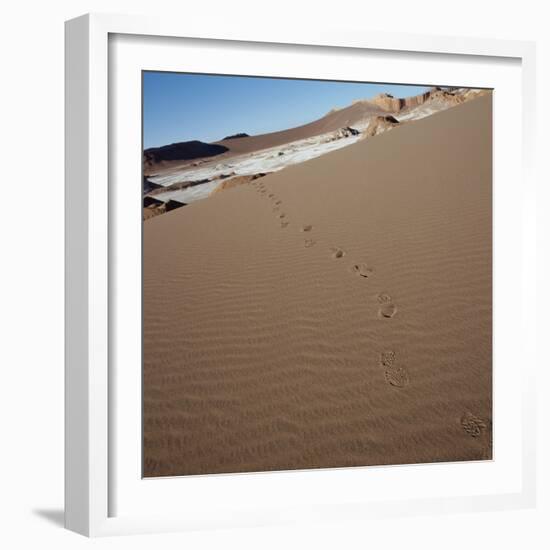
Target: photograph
317 274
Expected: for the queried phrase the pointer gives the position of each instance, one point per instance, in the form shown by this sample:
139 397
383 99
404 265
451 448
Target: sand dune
331 122
197 179
335 313
177 155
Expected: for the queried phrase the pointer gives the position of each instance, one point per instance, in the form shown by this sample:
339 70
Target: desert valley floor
334 313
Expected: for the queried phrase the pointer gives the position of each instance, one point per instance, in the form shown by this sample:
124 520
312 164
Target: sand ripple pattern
264 348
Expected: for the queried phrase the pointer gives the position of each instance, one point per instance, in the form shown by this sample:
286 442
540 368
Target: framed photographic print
298 276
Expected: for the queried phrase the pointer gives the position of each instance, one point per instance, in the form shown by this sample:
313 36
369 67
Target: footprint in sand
362 270
383 298
278 202
387 358
308 243
387 311
282 215
284 224
387 308
395 376
307 228
472 425
271 195
337 253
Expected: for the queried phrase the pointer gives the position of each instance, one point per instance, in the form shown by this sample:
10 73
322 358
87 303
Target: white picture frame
90 394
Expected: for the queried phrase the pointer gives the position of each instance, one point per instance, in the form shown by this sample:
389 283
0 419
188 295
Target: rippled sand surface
336 313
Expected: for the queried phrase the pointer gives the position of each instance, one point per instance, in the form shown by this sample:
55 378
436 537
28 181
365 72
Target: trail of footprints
387 309
395 375
276 203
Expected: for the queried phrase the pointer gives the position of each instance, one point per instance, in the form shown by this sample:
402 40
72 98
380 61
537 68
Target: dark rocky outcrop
149 186
236 136
186 150
172 205
150 201
345 132
154 207
380 124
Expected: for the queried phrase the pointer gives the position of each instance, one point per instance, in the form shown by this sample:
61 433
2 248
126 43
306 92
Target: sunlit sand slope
336 313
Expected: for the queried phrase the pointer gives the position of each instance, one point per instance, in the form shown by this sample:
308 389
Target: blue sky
183 107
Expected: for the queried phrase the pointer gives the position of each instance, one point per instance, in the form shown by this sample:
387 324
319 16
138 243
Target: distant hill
236 136
185 150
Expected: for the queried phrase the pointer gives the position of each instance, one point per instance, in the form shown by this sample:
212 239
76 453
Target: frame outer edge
77 490
98 277
529 211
